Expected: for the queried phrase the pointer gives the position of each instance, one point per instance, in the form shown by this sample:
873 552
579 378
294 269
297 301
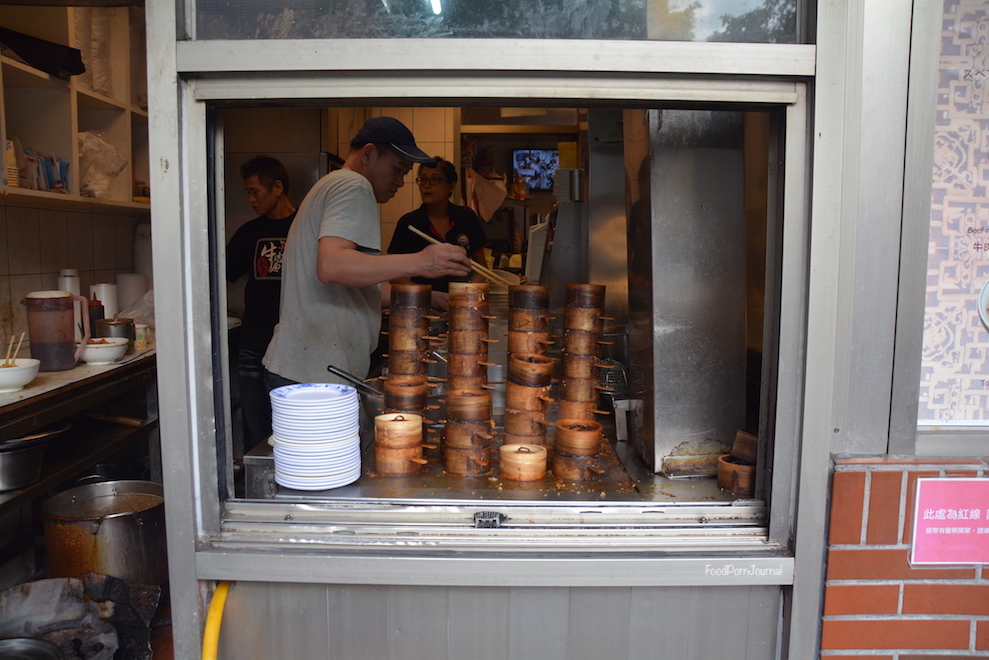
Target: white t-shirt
322 324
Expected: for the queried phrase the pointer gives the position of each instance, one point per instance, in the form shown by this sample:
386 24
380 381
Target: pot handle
85 325
94 528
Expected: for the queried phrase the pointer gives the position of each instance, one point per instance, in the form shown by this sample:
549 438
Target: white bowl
13 379
108 351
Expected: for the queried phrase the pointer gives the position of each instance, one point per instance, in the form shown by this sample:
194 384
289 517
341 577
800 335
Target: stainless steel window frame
194 73
453 88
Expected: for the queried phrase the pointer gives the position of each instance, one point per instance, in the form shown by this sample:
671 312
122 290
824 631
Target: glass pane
752 21
954 379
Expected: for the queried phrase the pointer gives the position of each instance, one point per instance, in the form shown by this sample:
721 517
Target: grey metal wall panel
539 620
468 607
417 623
598 619
273 620
356 616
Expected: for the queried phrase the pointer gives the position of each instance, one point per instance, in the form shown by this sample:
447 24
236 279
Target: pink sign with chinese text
951 522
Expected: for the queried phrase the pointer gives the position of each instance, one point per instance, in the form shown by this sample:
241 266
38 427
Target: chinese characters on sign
951 522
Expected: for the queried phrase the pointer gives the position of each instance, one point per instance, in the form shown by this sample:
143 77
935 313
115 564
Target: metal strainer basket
612 376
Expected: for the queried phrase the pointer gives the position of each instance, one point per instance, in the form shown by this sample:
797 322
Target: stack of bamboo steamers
398 438
527 390
578 436
468 435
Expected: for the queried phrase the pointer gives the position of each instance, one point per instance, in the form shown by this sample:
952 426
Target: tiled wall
875 604
36 243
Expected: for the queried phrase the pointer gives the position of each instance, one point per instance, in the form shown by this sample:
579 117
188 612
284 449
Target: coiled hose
214 618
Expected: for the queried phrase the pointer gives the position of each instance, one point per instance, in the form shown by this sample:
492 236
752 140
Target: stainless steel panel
539 623
607 261
688 311
394 623
466 607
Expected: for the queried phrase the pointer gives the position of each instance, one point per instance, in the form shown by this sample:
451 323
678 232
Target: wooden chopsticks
489 274
8 361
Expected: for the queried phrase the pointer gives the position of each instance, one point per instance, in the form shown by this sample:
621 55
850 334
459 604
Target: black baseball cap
393 134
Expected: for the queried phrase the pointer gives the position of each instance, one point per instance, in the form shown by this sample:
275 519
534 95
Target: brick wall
875 605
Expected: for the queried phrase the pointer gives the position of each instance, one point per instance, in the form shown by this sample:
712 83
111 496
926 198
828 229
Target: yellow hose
211 636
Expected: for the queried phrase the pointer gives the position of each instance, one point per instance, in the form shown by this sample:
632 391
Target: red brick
884 508
961 474
842 656
885 564
982 636
895 634
847 497
946 599
843 599
912 500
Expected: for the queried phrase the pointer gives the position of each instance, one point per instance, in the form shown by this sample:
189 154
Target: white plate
313 435
299 484
316 471
984 304
303 393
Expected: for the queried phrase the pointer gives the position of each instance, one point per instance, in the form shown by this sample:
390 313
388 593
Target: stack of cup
583 328
467 435
467 366
528 319
408 329
398 444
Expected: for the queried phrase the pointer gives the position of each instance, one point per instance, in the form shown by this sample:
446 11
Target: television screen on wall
536 166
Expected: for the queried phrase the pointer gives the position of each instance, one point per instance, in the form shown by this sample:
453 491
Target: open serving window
678 211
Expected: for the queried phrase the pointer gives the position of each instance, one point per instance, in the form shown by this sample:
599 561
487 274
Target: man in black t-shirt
256 250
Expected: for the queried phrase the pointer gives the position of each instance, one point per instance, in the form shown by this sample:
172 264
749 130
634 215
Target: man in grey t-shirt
333 266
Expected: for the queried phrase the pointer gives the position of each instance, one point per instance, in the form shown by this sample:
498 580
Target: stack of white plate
315 435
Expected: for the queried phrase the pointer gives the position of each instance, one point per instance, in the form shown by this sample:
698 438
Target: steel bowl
24 648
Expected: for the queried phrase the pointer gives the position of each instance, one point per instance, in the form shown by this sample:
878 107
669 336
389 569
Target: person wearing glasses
444 221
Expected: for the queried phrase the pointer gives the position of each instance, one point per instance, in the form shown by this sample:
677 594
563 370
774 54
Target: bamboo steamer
469 342
530 369
467 435
467 462
411 295
468 318
407 339
398 430
409 317
528 296
458 364
736 477
468 405
528 342
583 318
528 320
582 342
525 422
406 395
746 447
468 294
520 462
579 389
455 382
525 439
406 362
577 437
397 462
576 409
584 295
522 397
575 468
579 366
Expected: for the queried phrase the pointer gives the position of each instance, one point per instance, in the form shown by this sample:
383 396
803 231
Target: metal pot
20 463
115 527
